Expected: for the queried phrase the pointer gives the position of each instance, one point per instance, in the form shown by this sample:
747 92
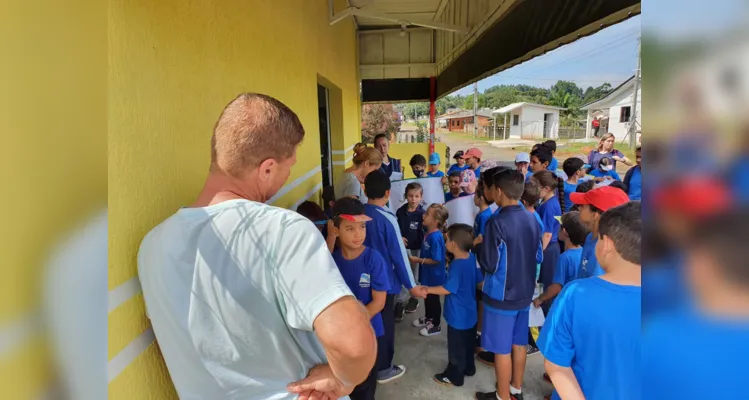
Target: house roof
466 113
601 103
510 107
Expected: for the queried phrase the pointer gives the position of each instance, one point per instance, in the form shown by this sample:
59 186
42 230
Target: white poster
462 210
536 316
432 192
396 176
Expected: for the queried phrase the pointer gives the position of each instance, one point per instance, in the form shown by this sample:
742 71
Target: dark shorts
501 331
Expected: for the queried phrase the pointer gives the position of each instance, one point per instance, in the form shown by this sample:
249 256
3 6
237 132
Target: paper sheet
462 210
396 176
536 316
432 192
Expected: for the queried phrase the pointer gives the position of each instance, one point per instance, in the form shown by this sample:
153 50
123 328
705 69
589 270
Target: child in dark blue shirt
633 178
591 338
363 270
453 183
508 259
410 218
605 171
554 163
550 209
432 268
459 290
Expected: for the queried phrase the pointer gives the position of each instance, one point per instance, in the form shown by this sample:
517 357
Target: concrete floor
426 356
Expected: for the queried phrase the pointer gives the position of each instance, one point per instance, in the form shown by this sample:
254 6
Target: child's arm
425 261
565 382
545 239
548 294
615 175
377 304
438 290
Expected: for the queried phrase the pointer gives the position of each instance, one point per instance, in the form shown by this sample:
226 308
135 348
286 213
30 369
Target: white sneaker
420 323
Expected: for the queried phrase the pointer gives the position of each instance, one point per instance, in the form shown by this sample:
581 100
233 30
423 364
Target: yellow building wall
173 65
404 152
52 125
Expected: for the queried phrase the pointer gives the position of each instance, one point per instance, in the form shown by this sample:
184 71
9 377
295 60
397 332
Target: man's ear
266 169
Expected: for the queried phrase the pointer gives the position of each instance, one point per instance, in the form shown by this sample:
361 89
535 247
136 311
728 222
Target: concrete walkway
426 356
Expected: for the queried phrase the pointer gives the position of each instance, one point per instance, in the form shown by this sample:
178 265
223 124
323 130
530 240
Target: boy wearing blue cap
434 166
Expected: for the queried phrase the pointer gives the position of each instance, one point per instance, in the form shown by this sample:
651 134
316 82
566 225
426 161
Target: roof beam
353 11
440 9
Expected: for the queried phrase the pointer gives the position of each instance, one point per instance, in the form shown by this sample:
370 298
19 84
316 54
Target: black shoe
486 357
531 349
400 312
486 395
444 380
412 305
518 396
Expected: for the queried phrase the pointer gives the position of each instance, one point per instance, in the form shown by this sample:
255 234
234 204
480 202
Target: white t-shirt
232 291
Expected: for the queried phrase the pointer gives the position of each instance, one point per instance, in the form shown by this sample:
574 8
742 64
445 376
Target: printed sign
432 188
461 210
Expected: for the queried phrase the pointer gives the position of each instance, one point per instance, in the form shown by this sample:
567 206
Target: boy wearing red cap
591 205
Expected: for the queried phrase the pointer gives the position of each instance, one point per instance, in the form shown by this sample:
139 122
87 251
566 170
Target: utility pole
633 121
475 109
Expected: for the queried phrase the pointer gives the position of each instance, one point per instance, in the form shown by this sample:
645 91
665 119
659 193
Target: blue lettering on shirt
588 262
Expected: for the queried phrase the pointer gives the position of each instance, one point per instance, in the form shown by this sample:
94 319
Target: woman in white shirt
366 160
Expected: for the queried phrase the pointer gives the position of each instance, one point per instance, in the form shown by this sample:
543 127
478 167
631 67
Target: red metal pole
432 99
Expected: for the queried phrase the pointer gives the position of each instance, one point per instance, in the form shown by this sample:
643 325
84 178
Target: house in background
462 121
615 111
529 121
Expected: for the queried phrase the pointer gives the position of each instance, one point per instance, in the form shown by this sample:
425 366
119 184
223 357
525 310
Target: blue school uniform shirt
634 187
588 263
410 223
434 248
394 166
569 188
460 305
363 275
383 235
477 172
456 168
681 358
449 196
553 164
568 266
602 347
528 175
438 174
603 174
548 210
479 223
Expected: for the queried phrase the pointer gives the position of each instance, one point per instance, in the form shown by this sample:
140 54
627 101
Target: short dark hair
511 183
619 185
723 236
488 175
576 229
623 225
462 235
585 186
551 145
543 154
346 205
378 137
328 195
454 174
414 186
376 184
606 161
418 159
311 211
531 192
571 165
480 192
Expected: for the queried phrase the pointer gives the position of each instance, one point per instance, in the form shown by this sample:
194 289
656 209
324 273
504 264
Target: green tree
379 118
422 135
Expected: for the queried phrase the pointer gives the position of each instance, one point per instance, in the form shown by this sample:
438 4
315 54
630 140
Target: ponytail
548 179
560 193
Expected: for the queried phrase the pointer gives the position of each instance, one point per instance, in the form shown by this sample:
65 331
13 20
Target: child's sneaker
444 380
400 311
413 304
486 395
531 349
430 329
391 374
486 358
420 323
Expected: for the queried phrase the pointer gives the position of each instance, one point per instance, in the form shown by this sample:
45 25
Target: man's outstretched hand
320 384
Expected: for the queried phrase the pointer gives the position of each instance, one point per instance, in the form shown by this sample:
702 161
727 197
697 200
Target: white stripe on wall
298 181
348 150
129 353
123 293
307 196
343 162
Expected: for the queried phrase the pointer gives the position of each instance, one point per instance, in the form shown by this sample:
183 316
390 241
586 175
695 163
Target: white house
614 111
529 120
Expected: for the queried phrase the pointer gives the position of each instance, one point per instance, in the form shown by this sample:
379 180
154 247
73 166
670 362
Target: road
464 142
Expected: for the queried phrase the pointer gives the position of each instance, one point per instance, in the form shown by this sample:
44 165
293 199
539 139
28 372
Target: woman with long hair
366 160
605 149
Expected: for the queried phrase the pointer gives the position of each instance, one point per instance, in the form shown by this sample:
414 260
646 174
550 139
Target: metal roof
510 107
466 114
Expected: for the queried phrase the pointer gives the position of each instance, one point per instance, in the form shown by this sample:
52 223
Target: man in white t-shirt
244 297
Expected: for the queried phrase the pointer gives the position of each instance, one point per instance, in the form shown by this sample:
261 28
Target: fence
571 132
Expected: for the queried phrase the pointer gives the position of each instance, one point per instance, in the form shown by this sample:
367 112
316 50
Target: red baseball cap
697 197
601 198
472 152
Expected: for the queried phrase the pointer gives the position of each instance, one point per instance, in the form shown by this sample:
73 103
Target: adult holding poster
389 165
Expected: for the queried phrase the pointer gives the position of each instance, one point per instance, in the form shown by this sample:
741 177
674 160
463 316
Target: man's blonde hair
253 128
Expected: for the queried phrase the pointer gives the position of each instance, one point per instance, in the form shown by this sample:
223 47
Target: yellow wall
173 66
404 151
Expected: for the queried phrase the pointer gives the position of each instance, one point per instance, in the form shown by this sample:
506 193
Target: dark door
324 116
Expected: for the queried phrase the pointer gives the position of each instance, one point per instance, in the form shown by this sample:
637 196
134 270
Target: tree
592 94
422 136
379 118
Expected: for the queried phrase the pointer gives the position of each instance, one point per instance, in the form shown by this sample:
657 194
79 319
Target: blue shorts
501 331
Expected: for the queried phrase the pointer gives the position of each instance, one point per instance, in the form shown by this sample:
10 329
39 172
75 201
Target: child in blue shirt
591 338
572 233
508 259
554 163
418 165
453 183
434 166
383 235
574 168
633 178
592 205
460 164
432 268
459 290
605 171
364 271
410 217
552 206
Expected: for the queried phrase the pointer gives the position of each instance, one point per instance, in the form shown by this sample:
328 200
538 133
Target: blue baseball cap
434 159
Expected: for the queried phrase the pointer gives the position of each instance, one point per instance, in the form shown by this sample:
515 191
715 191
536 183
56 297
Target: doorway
547 125
323 106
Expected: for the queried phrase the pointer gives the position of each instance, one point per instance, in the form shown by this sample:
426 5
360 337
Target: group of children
538 240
